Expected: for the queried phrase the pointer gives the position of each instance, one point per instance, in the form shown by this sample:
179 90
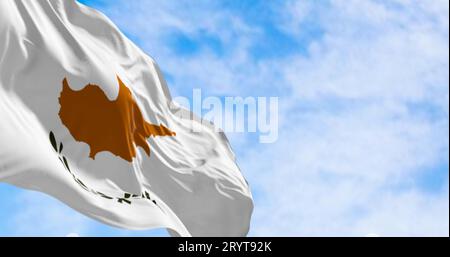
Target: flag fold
87 117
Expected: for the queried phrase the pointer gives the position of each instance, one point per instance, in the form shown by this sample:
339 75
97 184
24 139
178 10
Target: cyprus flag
86 117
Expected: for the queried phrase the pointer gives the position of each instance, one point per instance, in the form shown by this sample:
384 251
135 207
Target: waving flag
86 116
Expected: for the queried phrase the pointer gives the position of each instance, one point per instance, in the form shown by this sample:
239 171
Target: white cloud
362 114
337 174
154 23
370 52
407 213
358 129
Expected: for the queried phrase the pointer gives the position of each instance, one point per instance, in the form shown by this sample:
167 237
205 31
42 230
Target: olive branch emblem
126 198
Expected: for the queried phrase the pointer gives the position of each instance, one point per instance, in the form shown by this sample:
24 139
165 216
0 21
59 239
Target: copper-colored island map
116 126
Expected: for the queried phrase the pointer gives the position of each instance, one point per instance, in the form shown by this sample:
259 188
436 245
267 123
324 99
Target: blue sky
364 113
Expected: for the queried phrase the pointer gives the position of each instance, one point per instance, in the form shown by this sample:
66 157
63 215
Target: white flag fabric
86 117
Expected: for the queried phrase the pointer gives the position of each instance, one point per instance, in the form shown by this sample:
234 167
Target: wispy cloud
363 89
368 115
